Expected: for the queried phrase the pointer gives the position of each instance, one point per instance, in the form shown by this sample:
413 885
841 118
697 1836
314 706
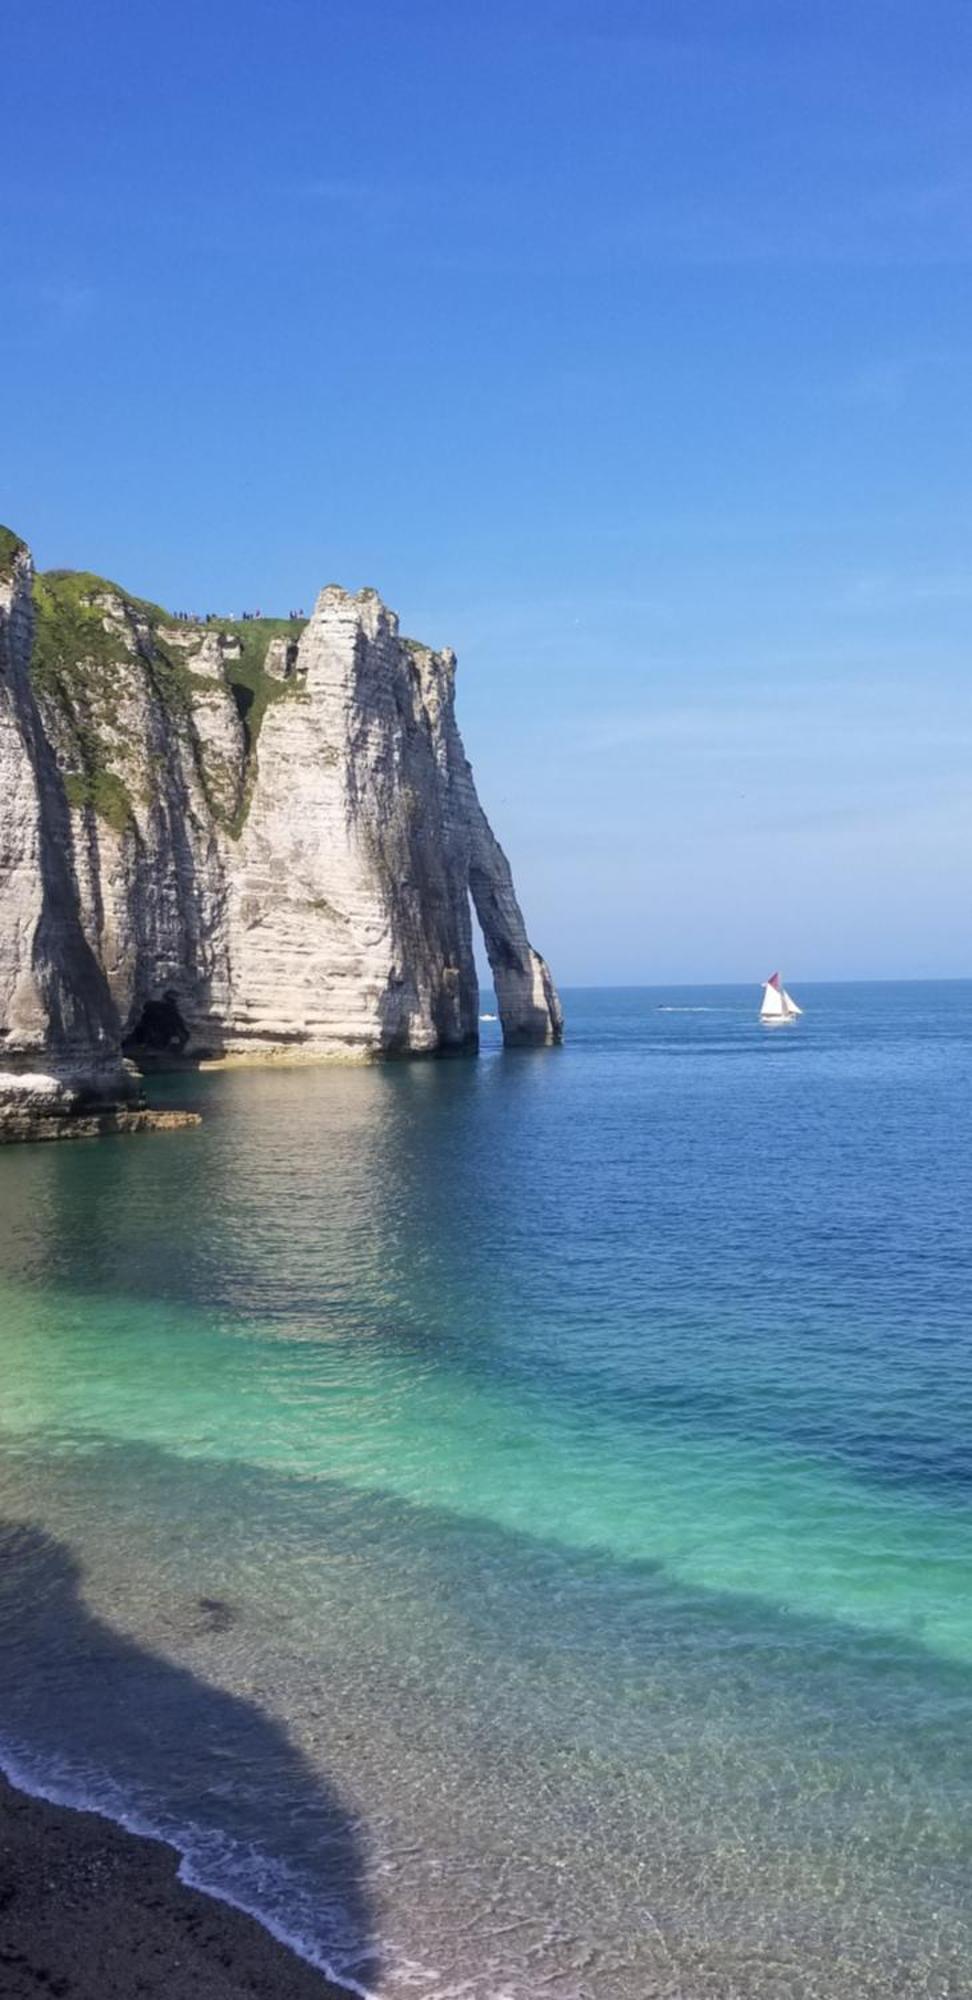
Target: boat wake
692 1010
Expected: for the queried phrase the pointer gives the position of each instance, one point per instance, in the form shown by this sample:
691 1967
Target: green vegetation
77 671
84 583
10 547
104 792
81 669
71 645
75 653
252 688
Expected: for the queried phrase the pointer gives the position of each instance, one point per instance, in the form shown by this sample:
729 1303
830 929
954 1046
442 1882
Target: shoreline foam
79 1886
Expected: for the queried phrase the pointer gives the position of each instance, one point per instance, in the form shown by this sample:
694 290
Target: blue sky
625 347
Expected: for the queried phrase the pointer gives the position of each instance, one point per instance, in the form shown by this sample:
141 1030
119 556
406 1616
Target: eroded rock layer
235 839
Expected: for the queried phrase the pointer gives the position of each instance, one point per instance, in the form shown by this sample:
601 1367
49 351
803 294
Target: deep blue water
510 1521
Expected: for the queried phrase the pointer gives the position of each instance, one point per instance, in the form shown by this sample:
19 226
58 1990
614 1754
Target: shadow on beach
141 1725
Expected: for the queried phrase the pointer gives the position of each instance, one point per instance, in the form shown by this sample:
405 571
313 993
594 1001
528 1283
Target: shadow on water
599 1716
213 1759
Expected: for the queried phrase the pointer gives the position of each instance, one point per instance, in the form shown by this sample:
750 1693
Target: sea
507 1522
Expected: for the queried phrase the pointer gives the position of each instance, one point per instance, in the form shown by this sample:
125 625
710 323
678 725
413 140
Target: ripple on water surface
520 1510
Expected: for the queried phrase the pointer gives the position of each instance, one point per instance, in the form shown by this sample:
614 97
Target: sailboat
777 1009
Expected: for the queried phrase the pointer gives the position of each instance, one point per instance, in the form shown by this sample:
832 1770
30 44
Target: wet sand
89 1912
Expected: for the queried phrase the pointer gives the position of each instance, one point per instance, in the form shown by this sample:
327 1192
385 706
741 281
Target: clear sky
623 344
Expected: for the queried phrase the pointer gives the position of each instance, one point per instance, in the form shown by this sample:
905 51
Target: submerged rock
267 828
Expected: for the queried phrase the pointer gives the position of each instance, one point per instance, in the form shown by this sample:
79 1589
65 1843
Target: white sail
777 1007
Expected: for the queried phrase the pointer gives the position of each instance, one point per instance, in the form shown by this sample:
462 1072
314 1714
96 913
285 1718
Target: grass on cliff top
254 690
75 663
77 583
74 655
70 641
74 668
10 547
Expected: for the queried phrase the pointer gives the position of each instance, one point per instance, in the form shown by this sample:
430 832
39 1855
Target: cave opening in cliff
160 1027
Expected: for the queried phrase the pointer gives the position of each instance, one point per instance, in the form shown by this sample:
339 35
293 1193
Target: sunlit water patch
511 1523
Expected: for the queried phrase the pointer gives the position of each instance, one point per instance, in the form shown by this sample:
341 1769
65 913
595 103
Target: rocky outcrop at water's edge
233 840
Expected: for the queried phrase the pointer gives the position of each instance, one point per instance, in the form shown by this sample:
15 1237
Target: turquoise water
510 1522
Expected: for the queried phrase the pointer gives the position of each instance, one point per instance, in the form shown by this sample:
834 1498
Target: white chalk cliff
239 840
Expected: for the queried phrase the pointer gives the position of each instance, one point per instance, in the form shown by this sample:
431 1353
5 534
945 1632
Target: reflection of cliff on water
330 1202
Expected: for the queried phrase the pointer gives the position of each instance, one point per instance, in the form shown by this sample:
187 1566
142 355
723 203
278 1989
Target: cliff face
245 840
59 1041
